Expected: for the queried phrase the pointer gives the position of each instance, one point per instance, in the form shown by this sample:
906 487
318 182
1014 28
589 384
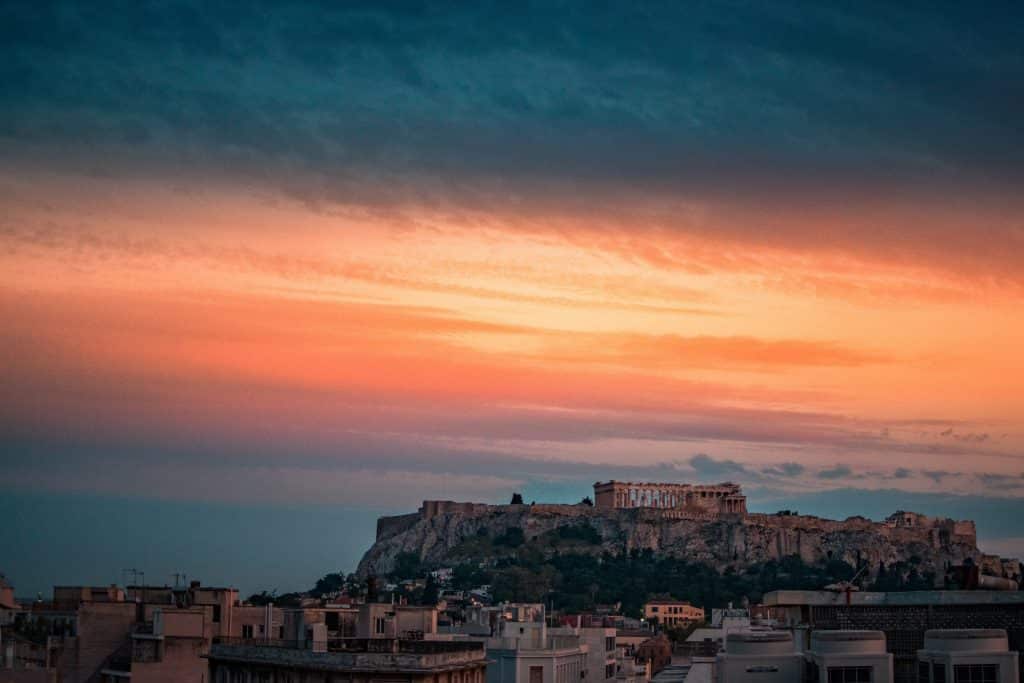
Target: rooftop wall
424 656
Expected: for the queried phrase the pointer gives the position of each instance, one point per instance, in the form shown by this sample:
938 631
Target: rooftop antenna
847 587
135 575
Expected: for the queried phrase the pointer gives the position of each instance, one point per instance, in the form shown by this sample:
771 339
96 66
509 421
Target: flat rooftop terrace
791 598
353 654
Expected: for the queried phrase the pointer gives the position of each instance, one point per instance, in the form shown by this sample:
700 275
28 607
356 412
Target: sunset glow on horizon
383 261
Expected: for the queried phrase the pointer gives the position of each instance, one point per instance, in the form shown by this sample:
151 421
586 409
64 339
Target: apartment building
673 613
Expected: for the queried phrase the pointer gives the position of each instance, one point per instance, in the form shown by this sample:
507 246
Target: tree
430 591
467 576
586 501
512 538
354 586
329 583
407 566
284 600
517 499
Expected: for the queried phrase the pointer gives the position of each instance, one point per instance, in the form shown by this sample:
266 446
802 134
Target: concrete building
353 660
170 647
523 651
656 652
708 641
848 657
69 597
407 622
7 601
602 656
904 617
486 620
724 498
764 657
967 656
673 613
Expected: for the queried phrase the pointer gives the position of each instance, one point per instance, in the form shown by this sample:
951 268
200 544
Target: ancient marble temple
724 498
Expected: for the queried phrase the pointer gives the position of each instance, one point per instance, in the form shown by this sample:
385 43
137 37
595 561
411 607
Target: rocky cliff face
442 529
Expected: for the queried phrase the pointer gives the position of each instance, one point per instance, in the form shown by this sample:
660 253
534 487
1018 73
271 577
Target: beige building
724 498
673 613
170 647
383 620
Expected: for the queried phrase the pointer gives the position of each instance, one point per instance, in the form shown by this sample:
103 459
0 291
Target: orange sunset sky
389 256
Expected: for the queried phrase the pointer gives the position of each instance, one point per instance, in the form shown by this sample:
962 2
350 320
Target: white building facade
967 656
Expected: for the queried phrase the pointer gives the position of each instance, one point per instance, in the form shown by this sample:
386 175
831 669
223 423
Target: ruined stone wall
390 526
432 508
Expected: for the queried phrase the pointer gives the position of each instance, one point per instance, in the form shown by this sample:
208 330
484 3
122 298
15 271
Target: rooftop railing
370 645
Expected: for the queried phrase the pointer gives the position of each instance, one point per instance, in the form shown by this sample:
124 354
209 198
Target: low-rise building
384 620
967 656
359 660
848 657
759 657
673 613
602 656
904 617
522 650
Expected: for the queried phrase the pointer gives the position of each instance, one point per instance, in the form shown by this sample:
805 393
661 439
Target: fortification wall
433 508
392 526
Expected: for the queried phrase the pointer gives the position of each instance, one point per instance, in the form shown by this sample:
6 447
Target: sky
270 270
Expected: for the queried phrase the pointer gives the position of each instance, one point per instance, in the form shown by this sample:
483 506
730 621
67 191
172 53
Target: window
247 630
609 671
849 674
536 674
923 670
609 644
654 608
938 672
976 673
378 625
216 614
762 669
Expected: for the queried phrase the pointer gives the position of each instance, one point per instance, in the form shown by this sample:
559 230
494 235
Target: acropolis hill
698 523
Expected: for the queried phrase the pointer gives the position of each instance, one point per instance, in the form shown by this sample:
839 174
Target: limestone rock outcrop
442 527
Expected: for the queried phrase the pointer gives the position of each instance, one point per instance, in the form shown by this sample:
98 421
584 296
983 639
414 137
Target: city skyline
307 265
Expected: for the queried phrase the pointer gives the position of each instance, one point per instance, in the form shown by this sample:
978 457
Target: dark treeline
563 569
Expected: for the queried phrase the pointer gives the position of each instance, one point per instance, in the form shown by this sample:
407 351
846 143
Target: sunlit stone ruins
724 498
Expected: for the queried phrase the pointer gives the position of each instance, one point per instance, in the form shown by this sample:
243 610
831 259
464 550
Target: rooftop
965 633
353 654
908 598
838 636
759 636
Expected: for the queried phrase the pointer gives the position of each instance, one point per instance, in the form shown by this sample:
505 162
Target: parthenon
724 498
